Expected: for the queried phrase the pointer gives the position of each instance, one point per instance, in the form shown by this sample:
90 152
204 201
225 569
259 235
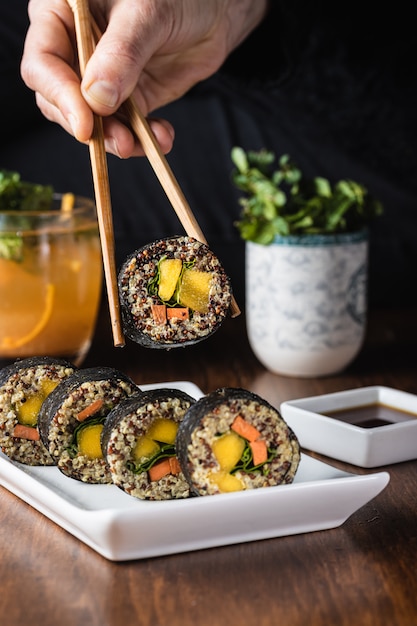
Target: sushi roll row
173 292
97 426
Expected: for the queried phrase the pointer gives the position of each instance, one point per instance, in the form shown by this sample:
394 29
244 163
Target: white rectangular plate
120 527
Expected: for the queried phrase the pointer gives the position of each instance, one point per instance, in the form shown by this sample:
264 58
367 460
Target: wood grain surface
362 573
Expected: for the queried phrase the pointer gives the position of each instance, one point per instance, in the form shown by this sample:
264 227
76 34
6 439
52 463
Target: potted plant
306 264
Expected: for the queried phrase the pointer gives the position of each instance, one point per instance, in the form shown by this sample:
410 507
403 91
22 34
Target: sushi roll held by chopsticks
173 292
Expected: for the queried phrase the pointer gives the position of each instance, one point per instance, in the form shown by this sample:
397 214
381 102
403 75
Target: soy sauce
371 415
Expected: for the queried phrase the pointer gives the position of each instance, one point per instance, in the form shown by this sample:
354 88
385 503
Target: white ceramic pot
306 302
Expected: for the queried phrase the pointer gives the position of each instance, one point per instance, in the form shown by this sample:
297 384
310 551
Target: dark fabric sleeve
271 52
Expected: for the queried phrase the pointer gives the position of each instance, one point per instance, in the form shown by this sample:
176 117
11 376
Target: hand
155 50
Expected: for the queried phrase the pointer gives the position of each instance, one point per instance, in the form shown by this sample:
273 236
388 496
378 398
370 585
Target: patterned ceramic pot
306 302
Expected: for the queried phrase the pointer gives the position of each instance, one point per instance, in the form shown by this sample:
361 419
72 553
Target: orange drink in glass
50 280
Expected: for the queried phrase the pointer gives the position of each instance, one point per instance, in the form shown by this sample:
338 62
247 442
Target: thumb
114 68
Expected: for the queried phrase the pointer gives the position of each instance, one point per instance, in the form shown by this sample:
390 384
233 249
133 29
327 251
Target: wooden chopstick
163 170
85 44
166 177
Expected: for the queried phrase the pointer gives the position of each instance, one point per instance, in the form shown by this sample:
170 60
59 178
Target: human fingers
49 66
159 50
118 139
133 34
124 144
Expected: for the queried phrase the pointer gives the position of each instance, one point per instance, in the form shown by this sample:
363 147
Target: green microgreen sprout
281 201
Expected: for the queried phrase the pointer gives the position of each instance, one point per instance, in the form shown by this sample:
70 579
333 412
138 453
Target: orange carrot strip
26 432
182 314
174 465
159 313
259 451
159 470
244 429
89 410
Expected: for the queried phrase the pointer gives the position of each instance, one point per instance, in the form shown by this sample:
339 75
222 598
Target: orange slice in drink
10 342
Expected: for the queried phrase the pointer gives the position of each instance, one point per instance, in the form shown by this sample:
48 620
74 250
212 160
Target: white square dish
120 527
368 427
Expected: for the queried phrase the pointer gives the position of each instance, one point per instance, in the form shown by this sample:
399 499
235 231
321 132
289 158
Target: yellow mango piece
145 448
28 411
169 273
226 482
89 441
47 386
163 430
194 290
228 449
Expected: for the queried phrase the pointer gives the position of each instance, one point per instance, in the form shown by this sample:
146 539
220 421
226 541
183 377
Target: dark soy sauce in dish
371 415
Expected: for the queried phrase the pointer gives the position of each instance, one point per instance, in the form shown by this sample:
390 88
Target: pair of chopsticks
87 32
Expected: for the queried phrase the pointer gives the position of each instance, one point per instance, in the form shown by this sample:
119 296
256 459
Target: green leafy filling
166 450
153 284
92 421
246 462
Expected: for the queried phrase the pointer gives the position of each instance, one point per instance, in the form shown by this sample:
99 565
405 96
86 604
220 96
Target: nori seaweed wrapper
33 361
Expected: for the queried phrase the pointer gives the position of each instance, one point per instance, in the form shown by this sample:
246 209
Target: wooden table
362 573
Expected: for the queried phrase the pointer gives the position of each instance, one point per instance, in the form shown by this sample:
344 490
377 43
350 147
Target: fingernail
103 93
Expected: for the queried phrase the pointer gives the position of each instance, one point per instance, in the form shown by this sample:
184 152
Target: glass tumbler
50 280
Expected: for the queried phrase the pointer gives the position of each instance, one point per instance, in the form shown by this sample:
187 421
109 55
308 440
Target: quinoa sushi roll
71 420
232 440
24 386
138 441
173 292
